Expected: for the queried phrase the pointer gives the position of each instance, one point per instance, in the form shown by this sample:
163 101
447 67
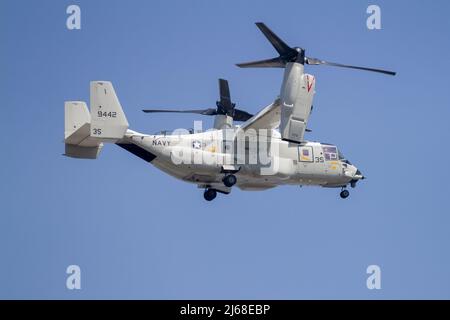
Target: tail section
108 121
77 128
85 131
76 120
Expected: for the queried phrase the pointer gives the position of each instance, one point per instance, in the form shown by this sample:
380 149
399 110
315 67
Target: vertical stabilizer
108 121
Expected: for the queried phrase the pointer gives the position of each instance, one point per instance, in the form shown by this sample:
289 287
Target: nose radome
359 175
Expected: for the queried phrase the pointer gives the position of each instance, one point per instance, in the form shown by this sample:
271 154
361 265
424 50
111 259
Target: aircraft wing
268 118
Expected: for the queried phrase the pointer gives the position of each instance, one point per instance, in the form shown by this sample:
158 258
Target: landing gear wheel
344 194
210 194
229 180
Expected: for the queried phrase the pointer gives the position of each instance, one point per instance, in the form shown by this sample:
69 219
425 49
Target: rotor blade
279 45
240 115
314 61
205 112
268 63
225 99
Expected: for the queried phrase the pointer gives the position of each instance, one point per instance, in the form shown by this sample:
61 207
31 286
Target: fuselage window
306 154
330 153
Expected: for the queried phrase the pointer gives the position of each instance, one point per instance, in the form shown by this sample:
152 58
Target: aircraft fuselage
204 158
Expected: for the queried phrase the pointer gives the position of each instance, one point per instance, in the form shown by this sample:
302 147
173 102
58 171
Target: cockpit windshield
342 158
331 153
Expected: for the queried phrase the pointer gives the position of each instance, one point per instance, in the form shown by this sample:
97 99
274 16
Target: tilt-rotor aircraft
266 150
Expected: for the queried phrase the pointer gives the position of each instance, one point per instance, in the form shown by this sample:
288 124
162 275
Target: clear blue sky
138 233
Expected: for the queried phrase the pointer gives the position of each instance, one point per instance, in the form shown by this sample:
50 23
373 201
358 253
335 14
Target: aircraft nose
359 175
356 177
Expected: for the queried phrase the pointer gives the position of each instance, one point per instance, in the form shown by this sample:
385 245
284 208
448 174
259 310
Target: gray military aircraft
267 150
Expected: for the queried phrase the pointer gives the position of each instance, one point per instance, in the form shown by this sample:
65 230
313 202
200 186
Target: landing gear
353 183
229 180
210 194
344 193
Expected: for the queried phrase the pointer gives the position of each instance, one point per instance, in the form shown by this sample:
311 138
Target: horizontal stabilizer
74 151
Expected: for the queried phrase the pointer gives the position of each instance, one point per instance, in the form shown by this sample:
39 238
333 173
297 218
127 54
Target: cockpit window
330 153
